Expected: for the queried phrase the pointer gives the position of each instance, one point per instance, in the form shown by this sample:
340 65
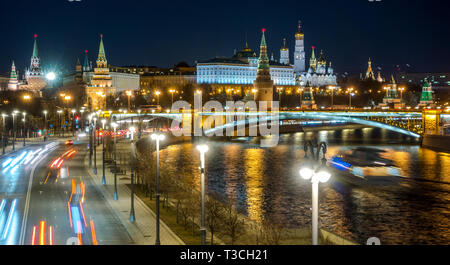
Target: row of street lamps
307 172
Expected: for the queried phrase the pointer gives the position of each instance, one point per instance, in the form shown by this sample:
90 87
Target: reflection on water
264 184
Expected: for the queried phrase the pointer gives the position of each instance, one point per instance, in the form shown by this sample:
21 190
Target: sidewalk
143 230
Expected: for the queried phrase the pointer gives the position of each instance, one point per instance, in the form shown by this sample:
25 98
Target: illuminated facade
369 73
13 83
299 54
100 86
426 99
263 83
318 74
34 75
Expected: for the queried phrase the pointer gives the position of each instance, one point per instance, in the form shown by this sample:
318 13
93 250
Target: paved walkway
143 230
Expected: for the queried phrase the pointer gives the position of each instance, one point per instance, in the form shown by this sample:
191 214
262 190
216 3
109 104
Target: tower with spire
263 83
35 75
369 73
13 83
100 85
426 98
284 53
308 101
299 54
313 60
86 66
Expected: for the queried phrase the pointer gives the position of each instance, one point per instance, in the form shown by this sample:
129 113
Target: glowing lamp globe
51 76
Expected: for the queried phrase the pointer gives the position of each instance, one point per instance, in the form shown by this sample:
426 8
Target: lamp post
132 216
139 125
254 93
73 122
401 96
59 121
116 197
171 92
24 128
157 137
129 93
280 92
45 125
103 152
316 175
95 145
14 130
157 93
3 132
350 92
203 149
332 96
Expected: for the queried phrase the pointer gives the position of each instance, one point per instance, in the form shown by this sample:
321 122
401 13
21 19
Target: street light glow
306 173
51 76
202 148
159 137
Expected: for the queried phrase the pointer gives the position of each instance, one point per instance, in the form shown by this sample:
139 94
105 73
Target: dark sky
162 33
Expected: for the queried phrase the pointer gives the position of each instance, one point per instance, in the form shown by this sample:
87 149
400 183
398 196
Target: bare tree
234 226
214 213
272 232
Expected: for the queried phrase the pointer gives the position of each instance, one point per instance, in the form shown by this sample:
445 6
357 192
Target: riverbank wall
437 142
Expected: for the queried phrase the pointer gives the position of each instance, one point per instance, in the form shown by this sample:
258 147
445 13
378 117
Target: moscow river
264 184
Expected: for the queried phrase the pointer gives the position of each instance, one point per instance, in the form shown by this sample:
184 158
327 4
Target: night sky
162 33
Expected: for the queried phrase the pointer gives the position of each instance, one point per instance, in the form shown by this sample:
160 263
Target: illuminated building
392 96
263 83
369 73
34 75
308 101
284 54
100 86
299 54
426 98
318 74
13 83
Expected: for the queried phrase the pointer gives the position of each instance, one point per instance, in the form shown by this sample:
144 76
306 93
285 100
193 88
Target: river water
264 184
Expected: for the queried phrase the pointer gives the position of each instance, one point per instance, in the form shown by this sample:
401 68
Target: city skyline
171 41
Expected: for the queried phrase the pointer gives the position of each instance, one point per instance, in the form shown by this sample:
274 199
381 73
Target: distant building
4 83
34 75
439 81
426 98
13 83
263 83
369 73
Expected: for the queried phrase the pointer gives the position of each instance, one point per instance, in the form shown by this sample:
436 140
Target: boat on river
364 165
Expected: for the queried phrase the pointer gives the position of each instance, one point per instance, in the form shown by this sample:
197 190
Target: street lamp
132 216
280 92
350 92
401 89
73 122
45 125
59 121
315 175
203 149
14 129
157 137
254 93
332 95
95 146
116 197
103 153
171 92
90 140
3 132
129 93
157 93
24 129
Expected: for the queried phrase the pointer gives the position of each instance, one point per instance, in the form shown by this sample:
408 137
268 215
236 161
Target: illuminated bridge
411 123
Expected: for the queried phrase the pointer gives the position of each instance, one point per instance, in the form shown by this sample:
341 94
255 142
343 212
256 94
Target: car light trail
42 234
33 237
10 217
94 236
6 163
70 214
50 235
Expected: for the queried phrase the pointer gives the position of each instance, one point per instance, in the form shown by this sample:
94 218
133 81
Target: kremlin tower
263 83
299 54
101 84
284 54
35 75
13 83
369 74
426 98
